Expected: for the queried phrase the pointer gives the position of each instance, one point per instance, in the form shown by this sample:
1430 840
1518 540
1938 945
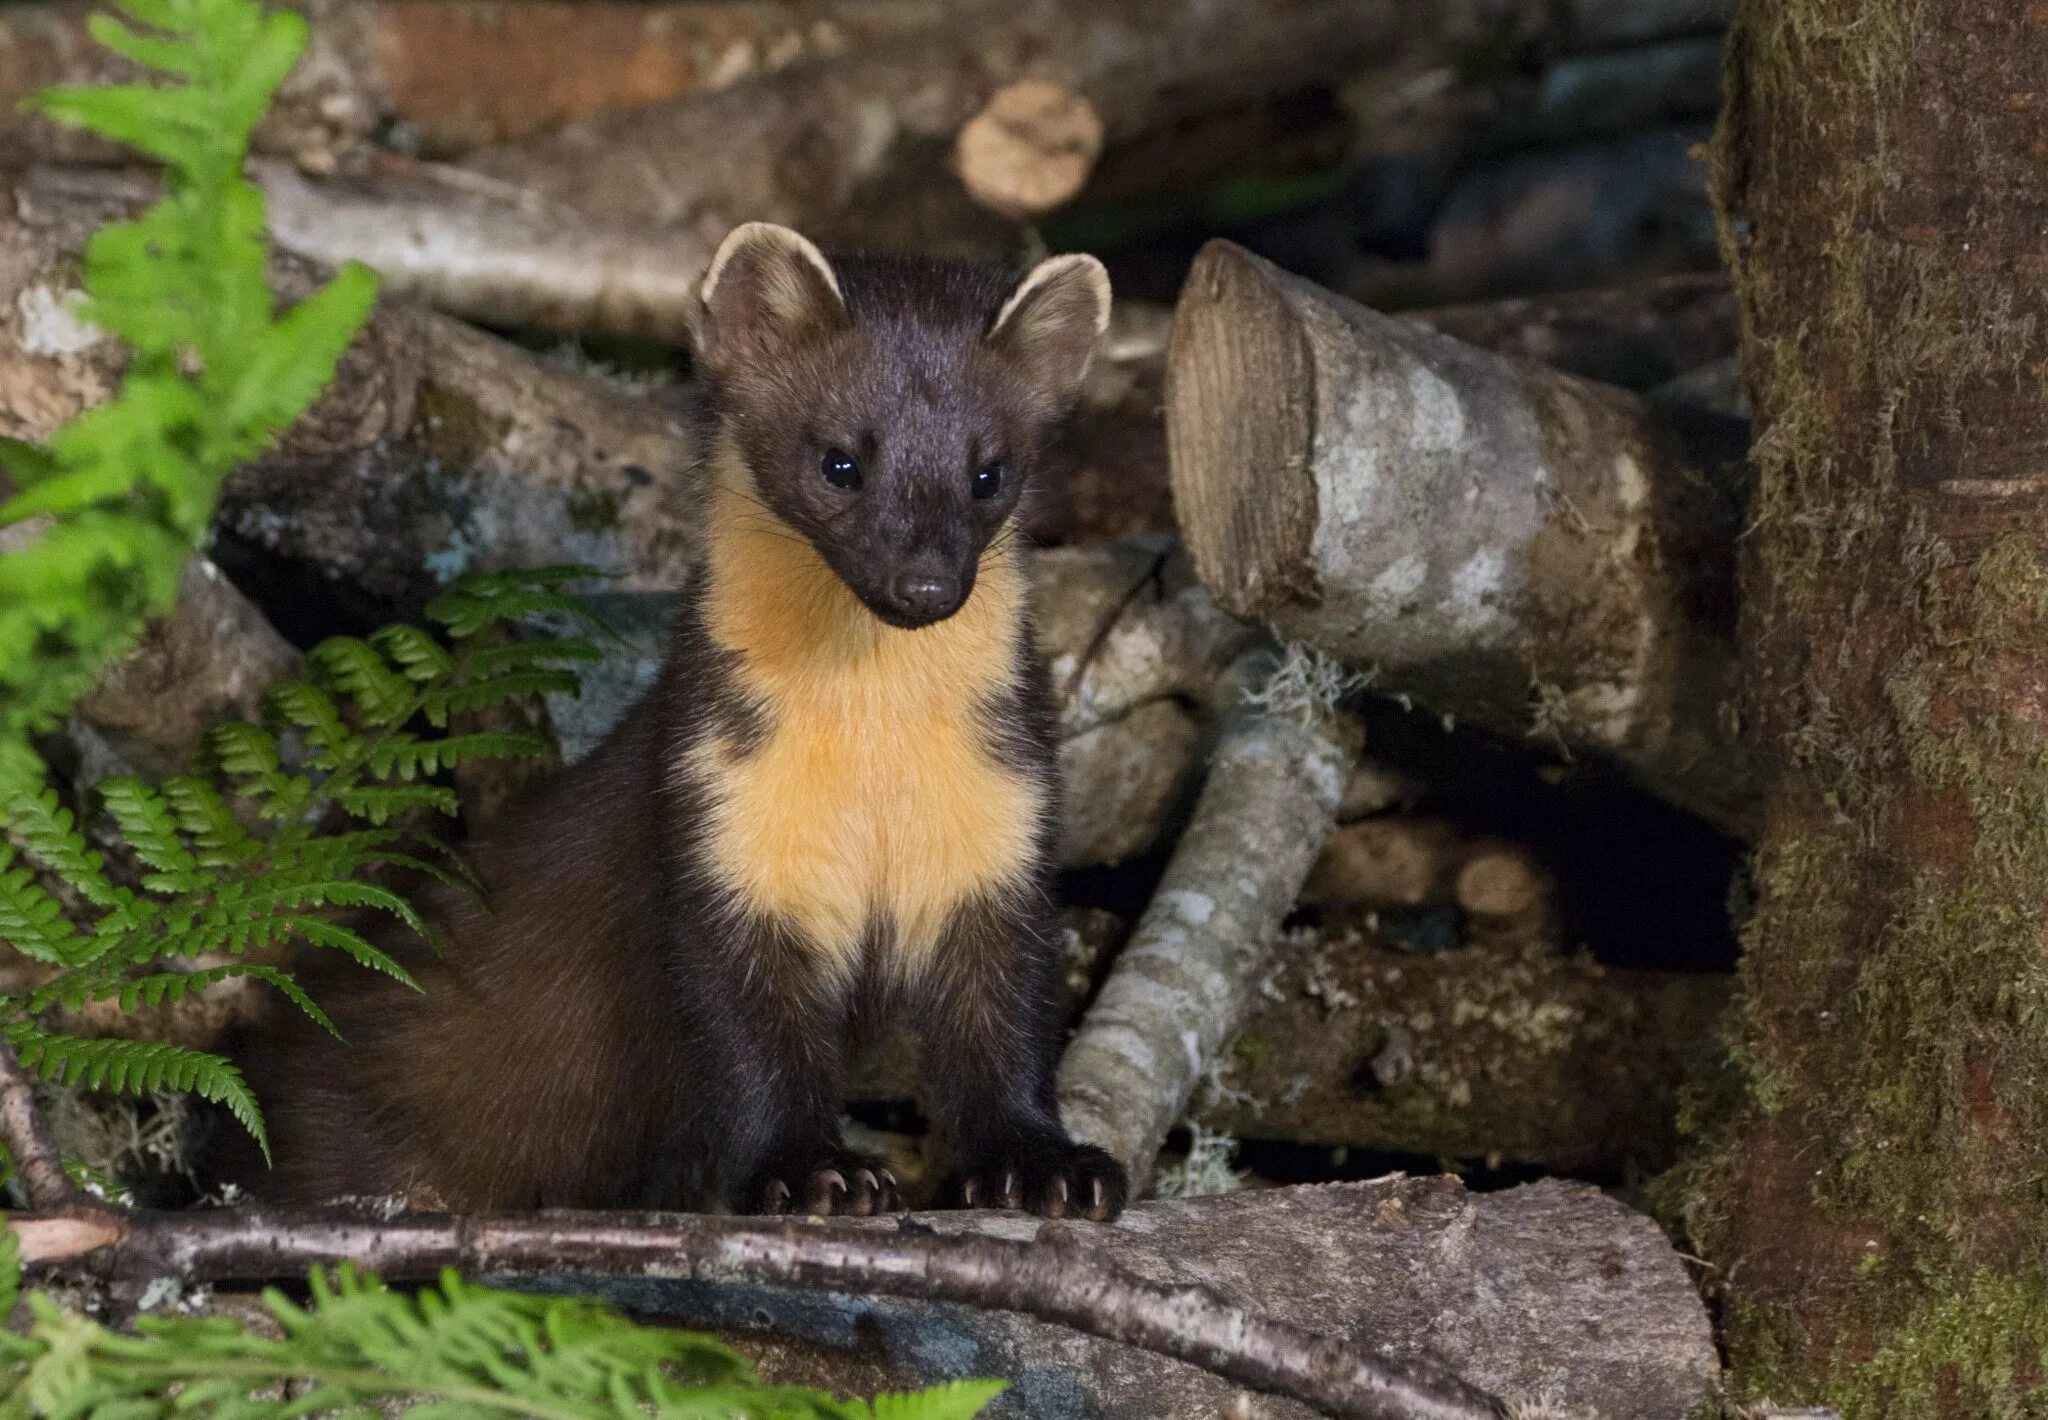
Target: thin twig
27 1136
1058 1277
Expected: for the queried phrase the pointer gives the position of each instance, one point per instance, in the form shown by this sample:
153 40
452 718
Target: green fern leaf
956 1400
500 689
322 933
382 695
138 1067
382 802
45 828
416 654
32 921
409 758
149 827
204 816
310 709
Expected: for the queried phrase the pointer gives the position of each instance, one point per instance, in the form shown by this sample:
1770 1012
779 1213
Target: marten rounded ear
767 287
1051 321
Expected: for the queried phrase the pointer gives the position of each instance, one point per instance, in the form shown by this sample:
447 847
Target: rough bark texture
1506 1050
486 251
1521 549
1184 981
445 75
1547 1291
208 661
1550 1291
852 150
30 1147
1055 1275
1878 1209
438 449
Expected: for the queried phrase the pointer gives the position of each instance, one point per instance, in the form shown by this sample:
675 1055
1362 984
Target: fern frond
498 690
382 696
32 921
148 826
137 1067
454 1352
46 831
409 758
312 710
204 816
418 656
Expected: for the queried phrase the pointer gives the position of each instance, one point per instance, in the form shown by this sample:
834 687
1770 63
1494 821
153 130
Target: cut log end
1241 397
1030 149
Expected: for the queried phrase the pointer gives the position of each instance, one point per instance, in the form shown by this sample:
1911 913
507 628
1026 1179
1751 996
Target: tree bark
812 146
1521 549
445 76
437 450
1403 1271
1877 1207
1182 984
1052 1277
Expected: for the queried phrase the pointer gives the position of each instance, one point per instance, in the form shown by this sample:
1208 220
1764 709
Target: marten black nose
926 596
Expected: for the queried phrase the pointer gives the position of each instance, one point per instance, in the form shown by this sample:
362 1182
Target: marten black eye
839 469
988 479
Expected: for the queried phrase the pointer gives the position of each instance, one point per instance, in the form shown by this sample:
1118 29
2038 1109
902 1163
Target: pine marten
835 805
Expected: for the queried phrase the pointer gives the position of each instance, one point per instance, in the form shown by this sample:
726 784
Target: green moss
1979 1350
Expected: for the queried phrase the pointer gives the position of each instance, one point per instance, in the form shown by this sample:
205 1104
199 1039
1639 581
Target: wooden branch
811 147
1523 550
443 77
1181 986
437 450
1058 1277
27 1136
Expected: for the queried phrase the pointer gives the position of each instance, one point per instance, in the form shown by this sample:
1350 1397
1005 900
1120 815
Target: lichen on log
1523 550
1183 983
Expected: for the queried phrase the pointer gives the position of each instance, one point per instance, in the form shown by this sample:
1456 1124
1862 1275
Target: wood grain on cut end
1030 149
1240 422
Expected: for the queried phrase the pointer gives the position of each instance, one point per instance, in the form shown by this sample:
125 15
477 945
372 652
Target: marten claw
848 1184
1047 1174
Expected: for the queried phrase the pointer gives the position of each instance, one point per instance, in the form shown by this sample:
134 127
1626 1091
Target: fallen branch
864 150
1058 1277
1181 986
1520 549
27 1137
447 77
436 450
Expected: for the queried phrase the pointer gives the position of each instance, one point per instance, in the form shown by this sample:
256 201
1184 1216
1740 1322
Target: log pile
1427 480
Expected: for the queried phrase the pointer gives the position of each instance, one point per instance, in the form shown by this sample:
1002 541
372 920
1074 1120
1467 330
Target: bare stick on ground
1181 986
1515 547
27 1137
1057 1278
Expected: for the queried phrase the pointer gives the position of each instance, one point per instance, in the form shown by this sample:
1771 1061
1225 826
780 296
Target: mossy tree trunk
1878 1208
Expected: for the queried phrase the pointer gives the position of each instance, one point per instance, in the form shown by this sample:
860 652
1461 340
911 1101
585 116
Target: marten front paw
841 1183
1049 1175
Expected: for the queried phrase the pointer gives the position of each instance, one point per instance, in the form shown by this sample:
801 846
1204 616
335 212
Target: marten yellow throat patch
875 799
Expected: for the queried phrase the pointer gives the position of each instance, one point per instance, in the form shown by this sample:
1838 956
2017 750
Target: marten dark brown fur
835 805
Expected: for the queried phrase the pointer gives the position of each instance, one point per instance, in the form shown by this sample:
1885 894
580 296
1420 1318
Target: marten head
892 411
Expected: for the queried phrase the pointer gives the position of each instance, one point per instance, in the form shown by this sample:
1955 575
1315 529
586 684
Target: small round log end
1030 149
